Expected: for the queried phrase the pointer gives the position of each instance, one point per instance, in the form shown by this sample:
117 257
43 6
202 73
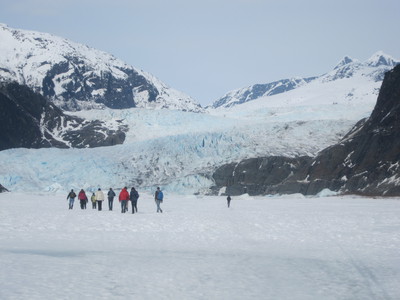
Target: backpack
160 196
72 195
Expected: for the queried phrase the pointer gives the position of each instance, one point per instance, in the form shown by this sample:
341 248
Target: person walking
123 198
93 199
134 196
228 199
82 198
71 197
99 199
158 197
111 196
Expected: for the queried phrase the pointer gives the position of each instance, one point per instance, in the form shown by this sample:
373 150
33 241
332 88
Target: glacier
179 150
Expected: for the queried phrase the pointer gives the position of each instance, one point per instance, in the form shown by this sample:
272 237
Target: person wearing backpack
71 197
82 198
134 196
158 197
93 198
111 196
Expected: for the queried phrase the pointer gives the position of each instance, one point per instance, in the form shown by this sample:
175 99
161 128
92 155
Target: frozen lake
287 247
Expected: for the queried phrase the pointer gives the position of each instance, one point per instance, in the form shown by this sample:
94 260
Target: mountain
180 151
259 90
371 71
29 120
366 161
76 77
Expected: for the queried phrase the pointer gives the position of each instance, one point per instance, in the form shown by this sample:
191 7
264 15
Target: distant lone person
158 197
228 199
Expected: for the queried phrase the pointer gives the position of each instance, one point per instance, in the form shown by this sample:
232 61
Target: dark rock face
255 176
366 161
3 189
83 84
28 120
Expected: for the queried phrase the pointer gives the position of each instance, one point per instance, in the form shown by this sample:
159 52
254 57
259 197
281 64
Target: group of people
98 197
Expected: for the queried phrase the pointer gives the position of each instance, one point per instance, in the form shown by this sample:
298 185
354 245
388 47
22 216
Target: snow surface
288 247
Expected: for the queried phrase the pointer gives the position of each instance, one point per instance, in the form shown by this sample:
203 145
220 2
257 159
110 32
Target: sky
207 48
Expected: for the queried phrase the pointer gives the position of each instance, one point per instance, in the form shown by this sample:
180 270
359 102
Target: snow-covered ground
287 247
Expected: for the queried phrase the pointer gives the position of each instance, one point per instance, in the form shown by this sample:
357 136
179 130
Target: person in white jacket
99 198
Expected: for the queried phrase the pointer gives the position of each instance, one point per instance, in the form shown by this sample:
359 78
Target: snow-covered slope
369 73
77 77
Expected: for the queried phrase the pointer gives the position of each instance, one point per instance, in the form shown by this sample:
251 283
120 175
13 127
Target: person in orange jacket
124 198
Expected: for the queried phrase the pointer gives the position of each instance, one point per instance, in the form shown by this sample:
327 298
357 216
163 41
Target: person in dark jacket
228 199
111 196
134 196
71 197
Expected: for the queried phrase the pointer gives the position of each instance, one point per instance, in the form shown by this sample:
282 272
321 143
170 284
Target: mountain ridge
372 69
75 76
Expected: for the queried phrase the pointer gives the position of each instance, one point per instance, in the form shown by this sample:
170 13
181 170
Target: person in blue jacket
158 197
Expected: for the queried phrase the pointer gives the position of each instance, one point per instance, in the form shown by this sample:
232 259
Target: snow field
288 247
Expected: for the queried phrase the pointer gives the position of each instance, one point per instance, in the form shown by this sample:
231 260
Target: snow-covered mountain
75 76
180 150
259 90
371 71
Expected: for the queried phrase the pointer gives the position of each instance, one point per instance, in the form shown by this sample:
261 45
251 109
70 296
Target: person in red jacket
124 198
83 199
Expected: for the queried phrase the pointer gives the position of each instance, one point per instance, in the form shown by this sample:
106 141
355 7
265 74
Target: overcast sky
206 48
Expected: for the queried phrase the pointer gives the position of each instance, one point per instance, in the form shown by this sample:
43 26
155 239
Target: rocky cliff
3 189
29 120
366 161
